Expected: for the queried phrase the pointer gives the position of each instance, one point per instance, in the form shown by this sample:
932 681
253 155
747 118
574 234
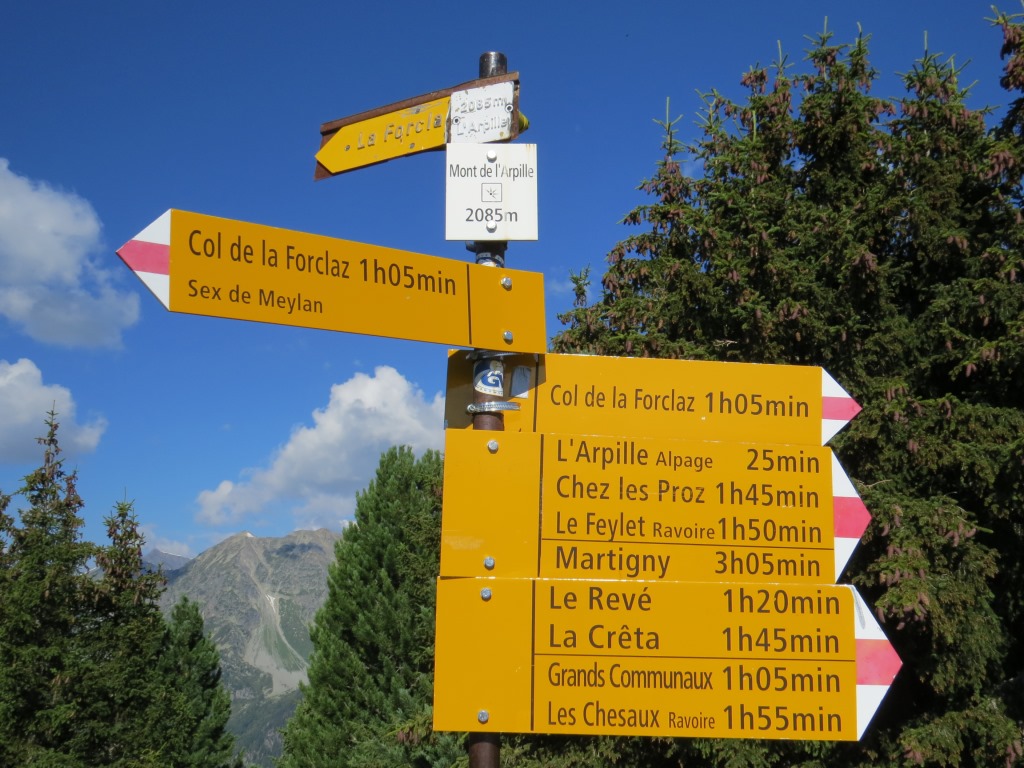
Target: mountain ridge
157 558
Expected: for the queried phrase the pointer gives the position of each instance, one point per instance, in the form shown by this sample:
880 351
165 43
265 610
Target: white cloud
317 473
170 546
50 286
24 403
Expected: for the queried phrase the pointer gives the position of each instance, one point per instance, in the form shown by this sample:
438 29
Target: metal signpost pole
485 748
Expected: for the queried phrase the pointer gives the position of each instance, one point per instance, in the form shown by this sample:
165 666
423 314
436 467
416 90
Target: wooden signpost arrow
205 265
478 111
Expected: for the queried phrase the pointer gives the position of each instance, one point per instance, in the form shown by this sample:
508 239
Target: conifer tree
197 707
881 239
367 702
120 641
90 673
44 565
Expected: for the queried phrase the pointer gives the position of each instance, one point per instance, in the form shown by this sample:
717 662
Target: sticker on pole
491 192
489 377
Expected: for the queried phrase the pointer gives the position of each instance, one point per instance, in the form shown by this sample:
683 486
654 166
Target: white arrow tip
837 407
157 232
869 699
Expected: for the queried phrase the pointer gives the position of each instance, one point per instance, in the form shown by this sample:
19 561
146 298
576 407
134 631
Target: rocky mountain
155 558
258 597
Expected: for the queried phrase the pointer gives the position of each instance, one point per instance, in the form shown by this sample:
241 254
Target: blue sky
112 113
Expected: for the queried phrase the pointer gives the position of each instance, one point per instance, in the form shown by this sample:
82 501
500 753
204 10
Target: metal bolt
507 336
489 563
485 594
491 226
506 283
491 155
483 716
492 446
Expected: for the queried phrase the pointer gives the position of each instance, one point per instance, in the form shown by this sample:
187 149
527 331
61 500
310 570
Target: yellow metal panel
490 504
658 560
505 301
620 508
654 659
691 619
482 658
387 136
233 269
677 399
459 391
696 698
686 510
681 399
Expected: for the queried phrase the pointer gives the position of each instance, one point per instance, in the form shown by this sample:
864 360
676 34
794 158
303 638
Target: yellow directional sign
680 399
206 265
629 508
670 659
481 110
387 136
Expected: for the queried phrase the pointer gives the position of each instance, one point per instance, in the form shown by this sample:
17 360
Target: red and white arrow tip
148 255
877 663
850 516
837 407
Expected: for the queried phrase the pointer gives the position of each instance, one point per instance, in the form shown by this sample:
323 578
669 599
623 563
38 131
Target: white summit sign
491 192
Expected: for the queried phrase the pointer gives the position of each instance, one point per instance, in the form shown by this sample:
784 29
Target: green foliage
43 579
122 637
367 702
881 239
257 724
90 673
197 707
